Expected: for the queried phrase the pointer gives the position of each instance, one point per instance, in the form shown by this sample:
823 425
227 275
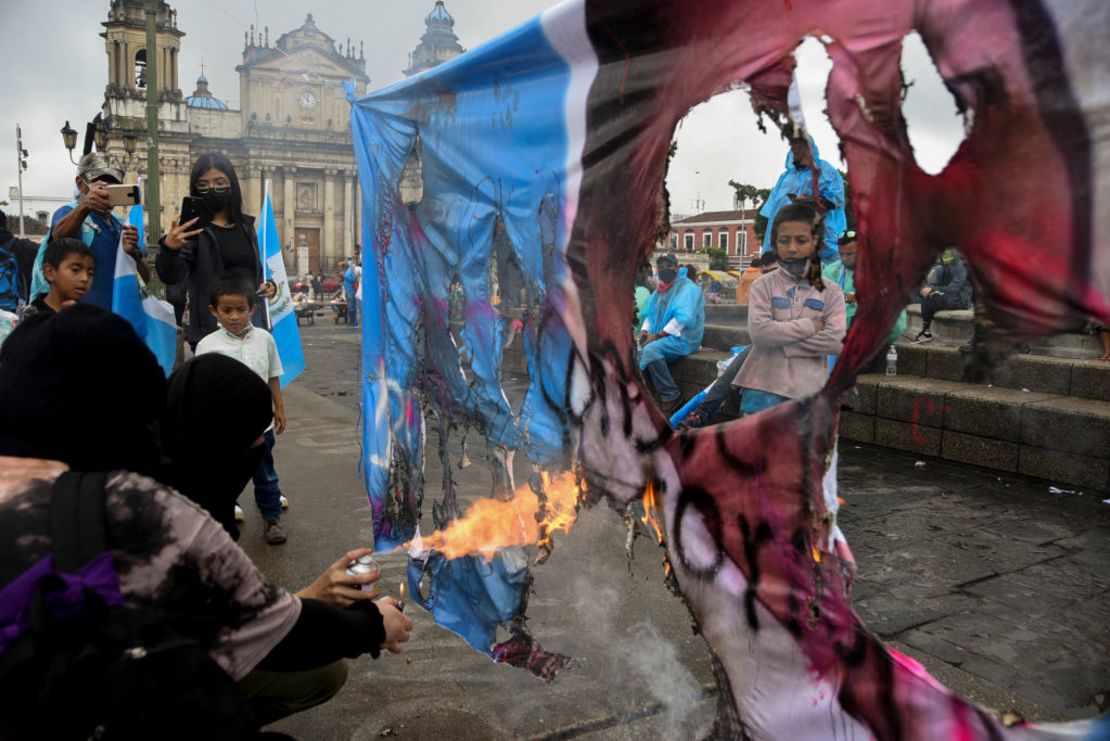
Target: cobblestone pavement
998 585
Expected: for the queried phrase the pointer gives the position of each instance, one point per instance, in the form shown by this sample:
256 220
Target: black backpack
86 668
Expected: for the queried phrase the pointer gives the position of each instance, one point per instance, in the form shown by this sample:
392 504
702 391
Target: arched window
140 69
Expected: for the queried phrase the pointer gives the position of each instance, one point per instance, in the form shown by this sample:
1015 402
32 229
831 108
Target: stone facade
292 128
732 231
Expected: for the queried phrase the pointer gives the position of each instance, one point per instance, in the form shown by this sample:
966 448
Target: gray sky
62 71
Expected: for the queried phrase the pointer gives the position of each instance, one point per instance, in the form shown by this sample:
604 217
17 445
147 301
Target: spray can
892 361
364 565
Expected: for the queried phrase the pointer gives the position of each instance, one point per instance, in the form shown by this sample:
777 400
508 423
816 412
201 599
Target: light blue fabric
800 181
496 156
654 358
152 318
753 401
685 303
350 280
643 295
280 312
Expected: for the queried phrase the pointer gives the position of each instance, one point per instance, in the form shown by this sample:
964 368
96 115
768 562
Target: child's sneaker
273 533
239 514
284 502
922 337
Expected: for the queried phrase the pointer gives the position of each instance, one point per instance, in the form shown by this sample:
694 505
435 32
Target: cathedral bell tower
125 42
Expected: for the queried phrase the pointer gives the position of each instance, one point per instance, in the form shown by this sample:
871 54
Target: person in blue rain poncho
796 184
672 329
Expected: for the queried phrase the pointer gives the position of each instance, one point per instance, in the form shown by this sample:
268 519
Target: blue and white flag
152 319
279 309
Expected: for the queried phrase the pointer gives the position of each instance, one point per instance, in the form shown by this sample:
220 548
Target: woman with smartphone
212 237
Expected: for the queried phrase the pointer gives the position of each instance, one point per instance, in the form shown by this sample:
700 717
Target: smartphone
123 195
193 207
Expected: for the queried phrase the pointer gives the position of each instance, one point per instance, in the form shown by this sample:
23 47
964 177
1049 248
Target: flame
563 495
649 511
491 524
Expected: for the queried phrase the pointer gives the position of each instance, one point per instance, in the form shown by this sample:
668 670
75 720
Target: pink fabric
788 353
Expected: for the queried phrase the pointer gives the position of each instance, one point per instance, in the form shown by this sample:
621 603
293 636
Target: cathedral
292 128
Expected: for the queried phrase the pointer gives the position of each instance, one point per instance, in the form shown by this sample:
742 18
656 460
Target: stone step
1043 432
733 314
1049 436
1087 378
957 327
725 336
1061 376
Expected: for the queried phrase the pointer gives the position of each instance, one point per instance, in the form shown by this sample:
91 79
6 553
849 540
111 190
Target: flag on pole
279 310
794 102
152 319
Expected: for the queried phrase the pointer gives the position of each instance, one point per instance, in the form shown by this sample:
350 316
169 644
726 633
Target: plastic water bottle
892 361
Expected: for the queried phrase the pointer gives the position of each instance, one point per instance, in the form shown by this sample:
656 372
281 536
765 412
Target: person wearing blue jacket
672 329
947 288
796 184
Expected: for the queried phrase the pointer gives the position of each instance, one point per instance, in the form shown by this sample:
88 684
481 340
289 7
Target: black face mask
667 275
217 200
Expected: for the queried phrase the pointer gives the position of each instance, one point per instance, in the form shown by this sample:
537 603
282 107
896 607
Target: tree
758 196
718 259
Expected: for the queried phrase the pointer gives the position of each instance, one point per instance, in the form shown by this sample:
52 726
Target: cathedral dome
202 98
439 15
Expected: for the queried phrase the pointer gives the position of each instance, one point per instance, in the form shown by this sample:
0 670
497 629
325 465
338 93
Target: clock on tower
307 100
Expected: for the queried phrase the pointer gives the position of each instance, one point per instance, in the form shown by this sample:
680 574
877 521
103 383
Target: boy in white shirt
232 303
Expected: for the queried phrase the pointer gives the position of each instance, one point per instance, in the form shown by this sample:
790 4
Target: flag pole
263 245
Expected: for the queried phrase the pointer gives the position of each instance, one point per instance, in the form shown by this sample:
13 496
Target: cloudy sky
62 72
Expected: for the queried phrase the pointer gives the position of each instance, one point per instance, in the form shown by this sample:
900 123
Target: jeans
935 302
267 492
654 358
718 393
273 695
352 309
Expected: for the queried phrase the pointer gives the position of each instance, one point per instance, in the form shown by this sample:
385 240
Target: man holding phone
91 220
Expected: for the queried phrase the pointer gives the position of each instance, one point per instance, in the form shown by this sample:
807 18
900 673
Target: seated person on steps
672 329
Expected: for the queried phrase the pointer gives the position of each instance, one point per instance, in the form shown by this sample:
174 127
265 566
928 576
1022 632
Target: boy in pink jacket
795 319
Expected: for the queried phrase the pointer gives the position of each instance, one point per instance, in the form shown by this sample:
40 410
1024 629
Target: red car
332 283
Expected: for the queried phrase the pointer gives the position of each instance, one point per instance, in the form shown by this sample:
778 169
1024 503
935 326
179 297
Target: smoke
639 656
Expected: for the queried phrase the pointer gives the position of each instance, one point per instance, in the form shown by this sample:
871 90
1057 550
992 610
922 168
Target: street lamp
412 177
100 137
69 137
129 140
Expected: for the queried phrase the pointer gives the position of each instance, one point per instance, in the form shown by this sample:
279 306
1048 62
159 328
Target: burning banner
541 156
